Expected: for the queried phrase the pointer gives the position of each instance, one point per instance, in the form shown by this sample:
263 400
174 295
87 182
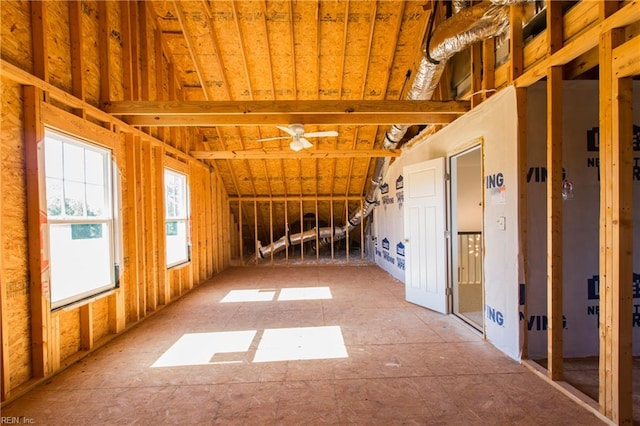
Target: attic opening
306 230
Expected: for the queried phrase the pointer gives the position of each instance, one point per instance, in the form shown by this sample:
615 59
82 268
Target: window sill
179 265
86 301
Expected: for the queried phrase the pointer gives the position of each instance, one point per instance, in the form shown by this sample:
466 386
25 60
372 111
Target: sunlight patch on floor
291 344
285 294
305 293
275 344
254 295
199 348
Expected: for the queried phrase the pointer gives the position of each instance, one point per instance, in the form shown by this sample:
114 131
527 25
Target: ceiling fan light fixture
296 145
305 143
299 136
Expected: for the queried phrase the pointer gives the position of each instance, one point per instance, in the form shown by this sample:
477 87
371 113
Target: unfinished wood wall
72 56
606 34
60 60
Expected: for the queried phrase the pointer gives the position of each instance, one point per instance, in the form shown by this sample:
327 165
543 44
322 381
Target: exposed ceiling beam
288 154
253 113
281 198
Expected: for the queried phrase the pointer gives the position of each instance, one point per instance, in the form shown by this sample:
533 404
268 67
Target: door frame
452 225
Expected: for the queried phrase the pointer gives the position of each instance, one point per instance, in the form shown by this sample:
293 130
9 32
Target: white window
80 218
176 217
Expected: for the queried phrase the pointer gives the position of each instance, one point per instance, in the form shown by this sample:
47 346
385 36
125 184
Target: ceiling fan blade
320 134
296 145
272 139
305 143
287 130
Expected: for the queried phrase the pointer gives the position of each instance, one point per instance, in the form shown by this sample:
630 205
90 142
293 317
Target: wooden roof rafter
263 9
225 83
251 179
241 209
233 176
242 49
342 64
161 52
315 53
354 142
266 170
249 87
443 90
208 95
318 52
216 48
317 163
367 61
191 48
418 53
365 73
293 52
176 93
295 80
392 55
200 73
237 130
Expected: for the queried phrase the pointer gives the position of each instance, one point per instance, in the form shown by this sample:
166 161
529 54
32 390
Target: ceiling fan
299 137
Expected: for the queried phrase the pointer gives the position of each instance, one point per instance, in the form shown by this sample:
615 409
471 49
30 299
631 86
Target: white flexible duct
458 5
468 26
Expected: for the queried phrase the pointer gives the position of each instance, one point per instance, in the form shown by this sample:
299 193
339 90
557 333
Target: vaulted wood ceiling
298 51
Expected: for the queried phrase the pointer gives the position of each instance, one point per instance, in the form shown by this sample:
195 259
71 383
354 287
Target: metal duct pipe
468 26
458 5
303 237
286 241
274 247
323 234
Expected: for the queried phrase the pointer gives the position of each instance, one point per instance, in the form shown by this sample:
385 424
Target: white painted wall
388 226
495 122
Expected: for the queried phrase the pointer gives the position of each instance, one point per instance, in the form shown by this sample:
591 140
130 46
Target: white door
424 234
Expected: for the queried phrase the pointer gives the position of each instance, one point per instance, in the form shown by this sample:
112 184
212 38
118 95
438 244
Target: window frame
186 218
109 217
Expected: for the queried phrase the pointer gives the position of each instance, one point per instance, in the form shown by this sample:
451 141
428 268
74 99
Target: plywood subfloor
400 364
582 374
